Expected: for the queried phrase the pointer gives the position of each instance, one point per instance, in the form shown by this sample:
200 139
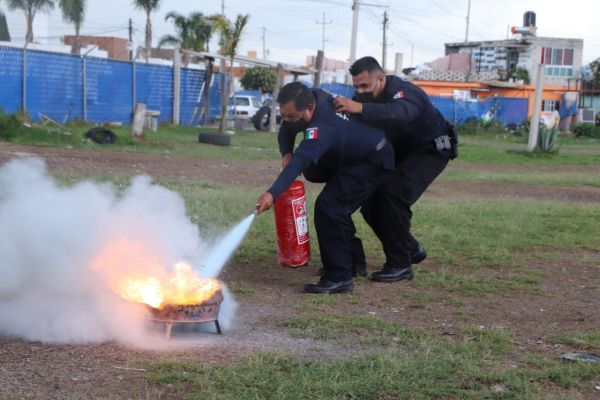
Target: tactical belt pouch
453 142
447 144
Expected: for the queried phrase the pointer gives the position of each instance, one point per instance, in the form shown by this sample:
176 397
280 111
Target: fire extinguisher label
301 219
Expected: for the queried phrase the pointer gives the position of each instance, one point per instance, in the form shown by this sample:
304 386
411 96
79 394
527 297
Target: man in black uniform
358 157
423 143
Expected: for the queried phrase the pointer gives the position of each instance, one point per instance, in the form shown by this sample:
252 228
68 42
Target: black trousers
388 210
318 174
342 195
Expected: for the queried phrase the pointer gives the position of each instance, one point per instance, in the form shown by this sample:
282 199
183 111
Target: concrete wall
530 54
535 52
484 90
115 47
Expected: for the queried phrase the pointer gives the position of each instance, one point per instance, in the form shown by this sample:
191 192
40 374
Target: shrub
586 130
9 124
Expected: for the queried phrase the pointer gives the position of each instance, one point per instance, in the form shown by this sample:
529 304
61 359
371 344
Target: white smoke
53 285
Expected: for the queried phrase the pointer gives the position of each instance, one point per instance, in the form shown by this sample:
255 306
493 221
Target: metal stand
169 327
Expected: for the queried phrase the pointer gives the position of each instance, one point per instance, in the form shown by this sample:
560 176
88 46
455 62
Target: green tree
193 32
231 36
30 8
259 78
148 6
595 69
73 11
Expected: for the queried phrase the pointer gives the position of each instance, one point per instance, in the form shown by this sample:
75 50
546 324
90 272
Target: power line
324 23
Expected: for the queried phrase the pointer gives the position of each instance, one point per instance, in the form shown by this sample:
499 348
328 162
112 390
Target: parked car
260 120
245 106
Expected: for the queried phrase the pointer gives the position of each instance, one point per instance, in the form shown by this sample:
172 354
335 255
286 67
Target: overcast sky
418 29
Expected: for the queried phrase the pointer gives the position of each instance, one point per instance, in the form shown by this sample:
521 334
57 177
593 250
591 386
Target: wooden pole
273 118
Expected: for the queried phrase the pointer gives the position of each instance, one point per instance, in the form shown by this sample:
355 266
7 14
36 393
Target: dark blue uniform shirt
411 122
331 140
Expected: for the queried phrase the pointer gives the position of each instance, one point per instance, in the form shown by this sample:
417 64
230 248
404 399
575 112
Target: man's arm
286 140
293 169
402 110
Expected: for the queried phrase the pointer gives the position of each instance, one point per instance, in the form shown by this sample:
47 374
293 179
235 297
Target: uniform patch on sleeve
399 95
311 133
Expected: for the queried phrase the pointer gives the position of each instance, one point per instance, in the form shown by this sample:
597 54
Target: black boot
329 287
419 254
388 274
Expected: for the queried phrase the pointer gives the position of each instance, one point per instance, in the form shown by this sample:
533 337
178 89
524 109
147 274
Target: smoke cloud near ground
62 248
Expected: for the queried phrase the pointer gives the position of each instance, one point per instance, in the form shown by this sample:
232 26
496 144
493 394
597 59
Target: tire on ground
260 120
101 135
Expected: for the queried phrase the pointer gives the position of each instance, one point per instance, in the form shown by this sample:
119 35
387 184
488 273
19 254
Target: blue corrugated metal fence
55 87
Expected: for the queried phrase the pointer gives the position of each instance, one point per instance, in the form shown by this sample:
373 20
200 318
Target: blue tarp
504 110
501 109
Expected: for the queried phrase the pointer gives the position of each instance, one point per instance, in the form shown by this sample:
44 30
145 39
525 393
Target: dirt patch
90 162
567 299
459 189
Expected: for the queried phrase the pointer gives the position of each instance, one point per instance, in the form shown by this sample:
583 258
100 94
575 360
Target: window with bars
558 61
550 105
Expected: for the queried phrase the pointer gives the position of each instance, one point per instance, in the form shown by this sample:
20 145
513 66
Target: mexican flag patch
311 133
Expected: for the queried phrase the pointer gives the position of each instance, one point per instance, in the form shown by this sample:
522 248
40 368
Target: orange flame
184 287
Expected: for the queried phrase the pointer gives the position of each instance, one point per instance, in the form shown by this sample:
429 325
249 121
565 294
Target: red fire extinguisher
291 224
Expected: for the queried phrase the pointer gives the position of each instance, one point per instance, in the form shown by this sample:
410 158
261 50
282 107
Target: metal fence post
176 85
84 77
133 86
24 81
84 87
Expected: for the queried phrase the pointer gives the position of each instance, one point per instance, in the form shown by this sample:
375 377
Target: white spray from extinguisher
224 249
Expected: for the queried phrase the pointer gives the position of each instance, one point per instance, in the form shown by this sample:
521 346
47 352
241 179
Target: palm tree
73 11
4 33
231 36
148 6
30 8
193 33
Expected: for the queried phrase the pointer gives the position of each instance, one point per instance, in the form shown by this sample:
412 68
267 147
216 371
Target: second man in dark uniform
423 143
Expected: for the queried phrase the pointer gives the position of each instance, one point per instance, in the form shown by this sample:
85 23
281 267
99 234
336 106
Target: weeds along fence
68 88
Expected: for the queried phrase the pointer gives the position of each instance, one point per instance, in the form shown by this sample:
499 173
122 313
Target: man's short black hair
298 93
368 64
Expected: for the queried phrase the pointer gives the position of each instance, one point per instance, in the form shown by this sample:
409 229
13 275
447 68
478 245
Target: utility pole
130 39
264 33
537 109
412 52
385 23
354 31
468 15
324 23
223 7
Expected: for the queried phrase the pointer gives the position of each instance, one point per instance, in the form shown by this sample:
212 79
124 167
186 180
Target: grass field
455 332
